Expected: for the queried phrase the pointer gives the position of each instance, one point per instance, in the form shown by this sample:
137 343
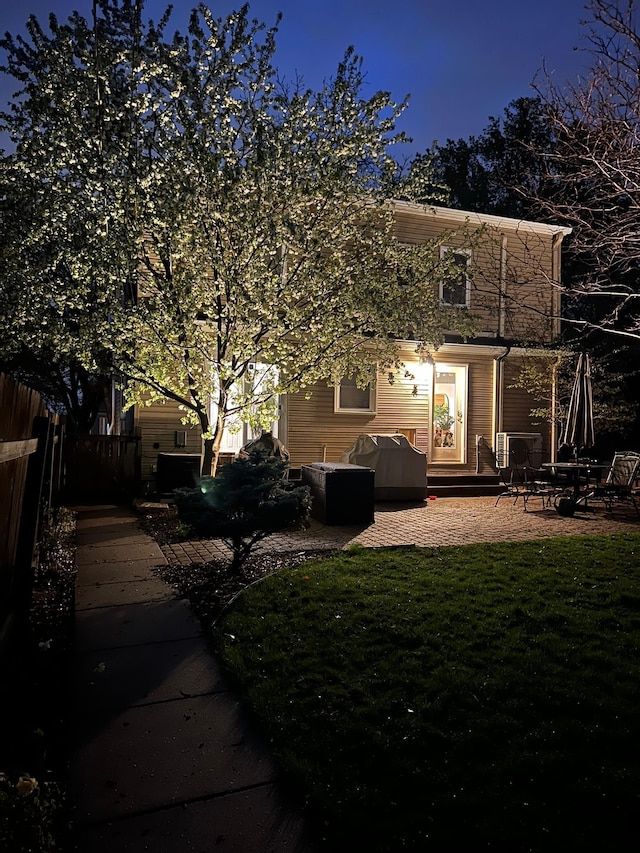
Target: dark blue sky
460 60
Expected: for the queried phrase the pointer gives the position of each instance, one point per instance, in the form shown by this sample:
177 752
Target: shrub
30 814
247 501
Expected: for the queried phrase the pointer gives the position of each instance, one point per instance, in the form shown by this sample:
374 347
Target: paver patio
430 524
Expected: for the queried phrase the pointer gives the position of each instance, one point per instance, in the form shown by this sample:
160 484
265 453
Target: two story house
457 404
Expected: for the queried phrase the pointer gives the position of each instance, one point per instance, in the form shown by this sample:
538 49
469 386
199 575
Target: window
238 431
350 398
456 290
449 413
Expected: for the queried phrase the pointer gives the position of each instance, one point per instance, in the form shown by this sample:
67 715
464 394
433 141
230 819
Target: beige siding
529 293
315 432
513 270
517 406
157 425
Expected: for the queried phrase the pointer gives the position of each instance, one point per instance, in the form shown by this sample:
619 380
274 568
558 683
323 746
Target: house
453 404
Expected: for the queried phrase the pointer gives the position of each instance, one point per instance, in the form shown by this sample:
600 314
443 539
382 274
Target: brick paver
444 521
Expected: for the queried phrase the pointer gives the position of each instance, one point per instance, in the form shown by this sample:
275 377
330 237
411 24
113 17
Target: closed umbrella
579 432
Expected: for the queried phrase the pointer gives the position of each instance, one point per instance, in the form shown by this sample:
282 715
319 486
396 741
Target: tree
503 170
234 234
613 409
595 168
63 192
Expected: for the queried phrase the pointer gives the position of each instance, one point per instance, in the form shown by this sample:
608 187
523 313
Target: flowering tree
234 237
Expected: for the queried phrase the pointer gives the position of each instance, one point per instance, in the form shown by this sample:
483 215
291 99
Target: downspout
556 309
498 382
502 288
554 403
555 276
498 361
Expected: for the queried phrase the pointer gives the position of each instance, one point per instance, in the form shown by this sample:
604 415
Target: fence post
31 516
57 463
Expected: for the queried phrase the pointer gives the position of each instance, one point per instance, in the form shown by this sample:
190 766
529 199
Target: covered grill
400 468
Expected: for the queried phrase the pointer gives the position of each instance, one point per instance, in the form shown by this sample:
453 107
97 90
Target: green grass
453 699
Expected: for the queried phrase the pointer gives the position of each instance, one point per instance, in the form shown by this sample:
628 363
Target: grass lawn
453 699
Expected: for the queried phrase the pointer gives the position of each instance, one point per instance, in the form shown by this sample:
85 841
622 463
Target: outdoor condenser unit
518 448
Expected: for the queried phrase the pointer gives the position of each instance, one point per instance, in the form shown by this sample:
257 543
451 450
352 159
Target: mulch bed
210 587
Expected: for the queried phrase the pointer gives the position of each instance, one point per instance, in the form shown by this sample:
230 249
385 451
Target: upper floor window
457 289
350 398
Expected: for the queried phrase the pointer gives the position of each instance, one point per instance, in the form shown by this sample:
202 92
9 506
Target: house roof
464 217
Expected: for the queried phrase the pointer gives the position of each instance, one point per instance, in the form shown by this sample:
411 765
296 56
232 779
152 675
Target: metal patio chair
520 479
520 482
620 485
513 483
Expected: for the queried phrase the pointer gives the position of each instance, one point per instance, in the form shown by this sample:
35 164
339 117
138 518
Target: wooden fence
30 481
101 468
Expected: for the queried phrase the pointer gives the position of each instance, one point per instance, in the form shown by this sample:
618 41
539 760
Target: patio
444 521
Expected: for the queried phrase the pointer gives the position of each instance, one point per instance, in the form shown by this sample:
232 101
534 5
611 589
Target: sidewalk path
165 760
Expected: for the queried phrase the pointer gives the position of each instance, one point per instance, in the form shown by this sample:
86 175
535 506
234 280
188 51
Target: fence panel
24 429
19 406
101 468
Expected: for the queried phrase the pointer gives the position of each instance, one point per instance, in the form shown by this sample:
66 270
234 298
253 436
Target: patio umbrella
579 432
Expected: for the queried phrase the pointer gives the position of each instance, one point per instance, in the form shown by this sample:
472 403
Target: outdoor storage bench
341 493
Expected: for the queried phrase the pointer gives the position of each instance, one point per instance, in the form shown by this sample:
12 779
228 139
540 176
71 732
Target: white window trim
445 250
371 410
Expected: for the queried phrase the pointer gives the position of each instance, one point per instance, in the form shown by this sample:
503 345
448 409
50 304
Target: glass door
449 413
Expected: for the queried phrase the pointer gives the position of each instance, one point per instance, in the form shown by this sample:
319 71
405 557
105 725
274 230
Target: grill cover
401 469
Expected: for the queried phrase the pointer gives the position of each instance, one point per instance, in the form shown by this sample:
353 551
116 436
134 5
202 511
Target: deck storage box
400 468
341 493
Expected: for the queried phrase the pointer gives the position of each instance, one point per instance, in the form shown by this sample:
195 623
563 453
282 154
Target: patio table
575 472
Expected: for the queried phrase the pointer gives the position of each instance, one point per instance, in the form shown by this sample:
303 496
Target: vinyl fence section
30 479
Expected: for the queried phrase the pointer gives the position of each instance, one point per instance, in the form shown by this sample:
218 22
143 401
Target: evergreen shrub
248 500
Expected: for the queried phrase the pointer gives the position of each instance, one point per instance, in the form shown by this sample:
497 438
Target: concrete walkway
165 761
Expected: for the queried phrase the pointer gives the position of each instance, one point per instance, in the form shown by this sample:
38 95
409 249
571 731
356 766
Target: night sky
461 61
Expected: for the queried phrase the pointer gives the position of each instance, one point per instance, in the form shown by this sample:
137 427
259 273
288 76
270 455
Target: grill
400 468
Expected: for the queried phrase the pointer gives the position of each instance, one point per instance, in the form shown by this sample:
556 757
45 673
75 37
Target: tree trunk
212 450
212 445
208 458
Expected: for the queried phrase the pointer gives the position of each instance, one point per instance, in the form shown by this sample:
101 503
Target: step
466 485
465 490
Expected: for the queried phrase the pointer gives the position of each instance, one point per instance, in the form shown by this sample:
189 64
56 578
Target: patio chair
513 485
519 478
547 483
519 482
620 484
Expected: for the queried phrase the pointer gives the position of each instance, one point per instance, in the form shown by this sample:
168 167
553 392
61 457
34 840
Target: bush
247 501
35 810
30 814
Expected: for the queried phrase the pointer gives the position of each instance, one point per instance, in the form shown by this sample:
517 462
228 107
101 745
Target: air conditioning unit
515 449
